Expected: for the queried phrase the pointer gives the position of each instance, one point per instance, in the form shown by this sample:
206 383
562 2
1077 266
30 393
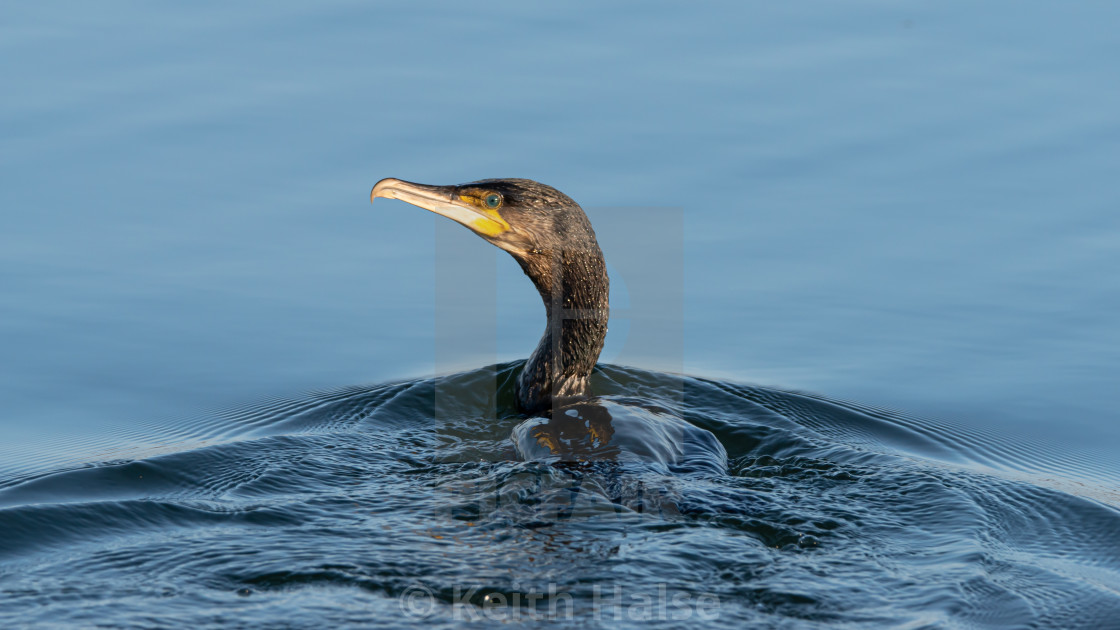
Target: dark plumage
550 237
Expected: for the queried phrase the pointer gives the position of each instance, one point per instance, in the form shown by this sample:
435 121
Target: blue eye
493 200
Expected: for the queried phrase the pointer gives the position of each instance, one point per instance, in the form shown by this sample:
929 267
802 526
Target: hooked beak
444 201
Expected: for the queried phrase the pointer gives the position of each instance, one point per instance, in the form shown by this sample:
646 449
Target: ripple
785 507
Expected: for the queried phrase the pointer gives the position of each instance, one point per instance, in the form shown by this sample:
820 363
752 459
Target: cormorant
550 237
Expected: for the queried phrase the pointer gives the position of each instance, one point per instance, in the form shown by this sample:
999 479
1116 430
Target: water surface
908 207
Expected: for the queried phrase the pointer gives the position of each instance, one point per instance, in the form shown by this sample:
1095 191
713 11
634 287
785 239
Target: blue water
912 207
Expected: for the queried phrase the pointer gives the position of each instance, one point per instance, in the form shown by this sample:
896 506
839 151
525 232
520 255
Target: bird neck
574 286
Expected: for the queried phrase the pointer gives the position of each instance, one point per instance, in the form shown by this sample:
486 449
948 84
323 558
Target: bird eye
493 200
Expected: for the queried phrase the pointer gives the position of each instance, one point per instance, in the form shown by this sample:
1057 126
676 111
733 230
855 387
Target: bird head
521 216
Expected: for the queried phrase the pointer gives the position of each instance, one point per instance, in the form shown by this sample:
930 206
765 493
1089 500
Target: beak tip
382 187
